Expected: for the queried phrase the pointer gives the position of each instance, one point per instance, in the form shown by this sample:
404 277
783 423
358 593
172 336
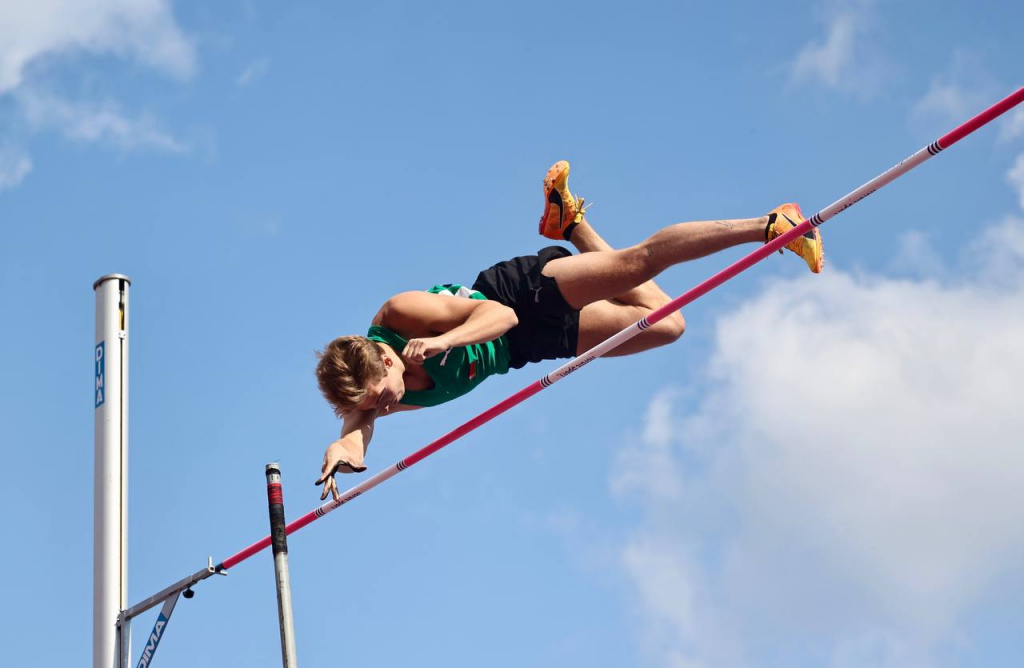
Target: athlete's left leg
601 319
587 240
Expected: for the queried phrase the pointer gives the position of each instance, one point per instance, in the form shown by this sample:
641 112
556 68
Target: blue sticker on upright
100 368
154 641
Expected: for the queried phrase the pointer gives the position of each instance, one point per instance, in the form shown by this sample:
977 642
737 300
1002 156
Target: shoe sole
813 234
553 196
816 236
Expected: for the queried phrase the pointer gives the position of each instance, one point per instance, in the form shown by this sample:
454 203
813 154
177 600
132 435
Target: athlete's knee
641 262
678 323
669 329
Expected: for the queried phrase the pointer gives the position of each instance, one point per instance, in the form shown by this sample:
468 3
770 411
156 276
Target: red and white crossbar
561 372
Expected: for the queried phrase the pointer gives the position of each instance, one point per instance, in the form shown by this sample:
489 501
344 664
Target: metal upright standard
110 496
574 365
275 501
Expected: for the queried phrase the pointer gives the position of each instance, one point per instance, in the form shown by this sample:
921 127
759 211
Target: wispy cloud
847 59
956 94
14 166
253 71
37 37
96 122
656 474
917 256
1016 178
1013 126
144 30
859 476
949 101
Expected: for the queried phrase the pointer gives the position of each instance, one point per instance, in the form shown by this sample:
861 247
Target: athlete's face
385 394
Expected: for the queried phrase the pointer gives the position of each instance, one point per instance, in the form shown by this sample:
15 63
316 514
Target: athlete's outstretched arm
346 454
435 323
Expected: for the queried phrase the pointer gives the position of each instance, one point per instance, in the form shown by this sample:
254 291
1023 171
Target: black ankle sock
771 220
572 227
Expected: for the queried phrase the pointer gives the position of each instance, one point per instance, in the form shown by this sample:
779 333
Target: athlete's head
353 373
349 368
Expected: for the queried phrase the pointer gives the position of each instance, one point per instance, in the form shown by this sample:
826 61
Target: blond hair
347 367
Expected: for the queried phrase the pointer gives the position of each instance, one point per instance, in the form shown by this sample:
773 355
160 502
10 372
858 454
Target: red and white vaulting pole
561 372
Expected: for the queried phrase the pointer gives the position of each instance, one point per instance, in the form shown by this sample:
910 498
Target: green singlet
456 371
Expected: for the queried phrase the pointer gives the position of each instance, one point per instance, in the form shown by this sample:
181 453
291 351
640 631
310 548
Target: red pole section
711 283
993 112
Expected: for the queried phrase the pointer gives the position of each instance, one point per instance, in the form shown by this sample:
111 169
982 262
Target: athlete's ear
387 363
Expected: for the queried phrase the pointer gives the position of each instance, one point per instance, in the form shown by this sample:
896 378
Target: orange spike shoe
785 217
562 211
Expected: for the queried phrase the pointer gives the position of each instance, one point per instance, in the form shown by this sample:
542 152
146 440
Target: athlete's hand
418 350
338 459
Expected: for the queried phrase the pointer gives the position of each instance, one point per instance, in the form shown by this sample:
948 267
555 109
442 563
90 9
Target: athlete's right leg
590 277
606 274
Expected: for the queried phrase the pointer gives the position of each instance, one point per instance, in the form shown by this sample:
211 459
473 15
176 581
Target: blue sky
824 471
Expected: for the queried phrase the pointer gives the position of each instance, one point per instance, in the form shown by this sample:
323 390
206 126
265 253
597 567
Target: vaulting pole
275 503
561 372
110 493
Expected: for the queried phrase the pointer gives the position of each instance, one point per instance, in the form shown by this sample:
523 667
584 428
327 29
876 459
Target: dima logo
100 368
154 640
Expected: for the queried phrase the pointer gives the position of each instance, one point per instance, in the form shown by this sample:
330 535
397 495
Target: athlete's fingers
324 472
413 352
330 485
327 474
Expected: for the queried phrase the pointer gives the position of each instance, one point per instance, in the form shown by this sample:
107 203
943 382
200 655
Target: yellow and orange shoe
562 211
785 217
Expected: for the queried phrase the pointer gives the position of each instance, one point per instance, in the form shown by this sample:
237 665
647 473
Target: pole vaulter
582 360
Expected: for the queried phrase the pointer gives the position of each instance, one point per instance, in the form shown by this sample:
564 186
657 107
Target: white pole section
275 501
110 518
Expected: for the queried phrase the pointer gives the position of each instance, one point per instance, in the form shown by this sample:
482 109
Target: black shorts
548 327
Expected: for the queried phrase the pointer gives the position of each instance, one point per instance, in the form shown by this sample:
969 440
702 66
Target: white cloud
956 94
14 166
1012 127
98 122
948 101
853 472
917 256
996 255
44 35
140 29
848 58
656 473
253 71
666 586
1016 178
827 60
